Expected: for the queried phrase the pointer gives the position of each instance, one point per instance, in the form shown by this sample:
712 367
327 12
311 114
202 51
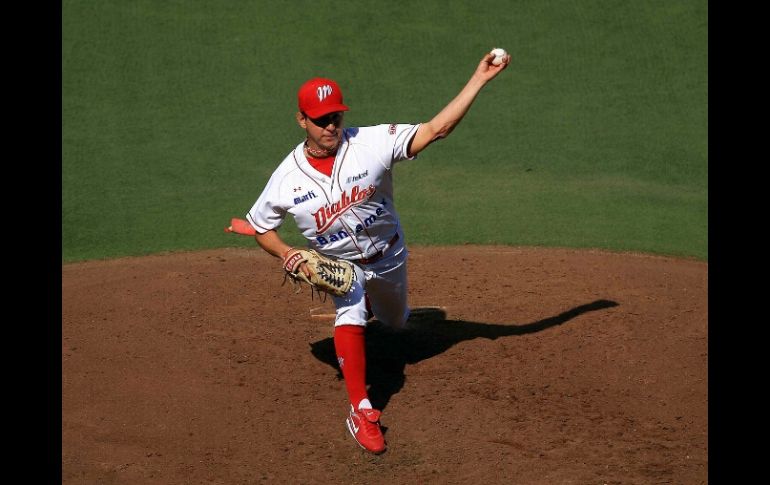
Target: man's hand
302 266
487 71
323 274
447 119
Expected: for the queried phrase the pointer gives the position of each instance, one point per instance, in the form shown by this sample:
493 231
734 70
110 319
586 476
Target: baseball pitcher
337 184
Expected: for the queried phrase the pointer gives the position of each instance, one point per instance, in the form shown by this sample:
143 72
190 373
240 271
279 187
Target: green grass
174 114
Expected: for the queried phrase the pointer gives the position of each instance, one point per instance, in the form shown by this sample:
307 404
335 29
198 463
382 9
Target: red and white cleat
364 425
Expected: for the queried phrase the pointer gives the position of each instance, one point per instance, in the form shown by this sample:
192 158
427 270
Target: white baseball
499 54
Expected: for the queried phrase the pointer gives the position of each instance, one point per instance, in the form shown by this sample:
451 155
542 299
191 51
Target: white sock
364 404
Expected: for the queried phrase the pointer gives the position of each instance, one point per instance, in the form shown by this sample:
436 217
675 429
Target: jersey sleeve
402 135
389 142
268 212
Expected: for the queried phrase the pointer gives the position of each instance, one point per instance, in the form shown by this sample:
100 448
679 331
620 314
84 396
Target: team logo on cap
323 91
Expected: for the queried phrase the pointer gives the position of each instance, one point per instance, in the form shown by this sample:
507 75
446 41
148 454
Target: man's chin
331 146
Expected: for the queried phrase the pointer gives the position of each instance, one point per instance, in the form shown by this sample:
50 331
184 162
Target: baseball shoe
364 425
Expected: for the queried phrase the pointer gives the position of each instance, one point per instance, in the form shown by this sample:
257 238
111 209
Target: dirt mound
527 366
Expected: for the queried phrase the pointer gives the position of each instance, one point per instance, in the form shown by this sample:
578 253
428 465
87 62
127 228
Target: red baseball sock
350 345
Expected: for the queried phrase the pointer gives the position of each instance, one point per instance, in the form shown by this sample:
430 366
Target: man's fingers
303 267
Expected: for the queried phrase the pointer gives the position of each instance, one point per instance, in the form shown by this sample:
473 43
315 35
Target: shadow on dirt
429 334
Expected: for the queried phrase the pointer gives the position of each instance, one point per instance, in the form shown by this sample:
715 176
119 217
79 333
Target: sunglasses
325 120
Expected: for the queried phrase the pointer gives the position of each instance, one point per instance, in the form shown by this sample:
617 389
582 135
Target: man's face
324 132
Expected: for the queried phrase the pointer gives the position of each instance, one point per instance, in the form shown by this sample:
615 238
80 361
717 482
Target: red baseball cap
320 96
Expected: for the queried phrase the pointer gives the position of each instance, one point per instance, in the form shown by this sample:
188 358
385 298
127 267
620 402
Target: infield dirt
525 366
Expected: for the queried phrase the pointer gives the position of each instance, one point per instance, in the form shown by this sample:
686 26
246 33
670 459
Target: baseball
499 54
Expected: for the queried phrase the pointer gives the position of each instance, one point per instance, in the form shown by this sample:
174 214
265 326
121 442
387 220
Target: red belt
378 255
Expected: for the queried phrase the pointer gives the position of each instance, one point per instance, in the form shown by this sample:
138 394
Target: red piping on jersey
299 167
350 230
352 234
339 184
363 225
342 159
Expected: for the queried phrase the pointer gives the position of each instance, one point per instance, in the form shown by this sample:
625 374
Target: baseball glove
327 275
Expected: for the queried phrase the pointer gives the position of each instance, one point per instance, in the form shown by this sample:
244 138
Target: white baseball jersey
349 215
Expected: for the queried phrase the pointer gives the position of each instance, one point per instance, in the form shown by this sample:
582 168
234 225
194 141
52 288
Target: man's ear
301 120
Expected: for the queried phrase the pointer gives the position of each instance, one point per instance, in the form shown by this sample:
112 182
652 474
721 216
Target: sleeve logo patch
392 129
